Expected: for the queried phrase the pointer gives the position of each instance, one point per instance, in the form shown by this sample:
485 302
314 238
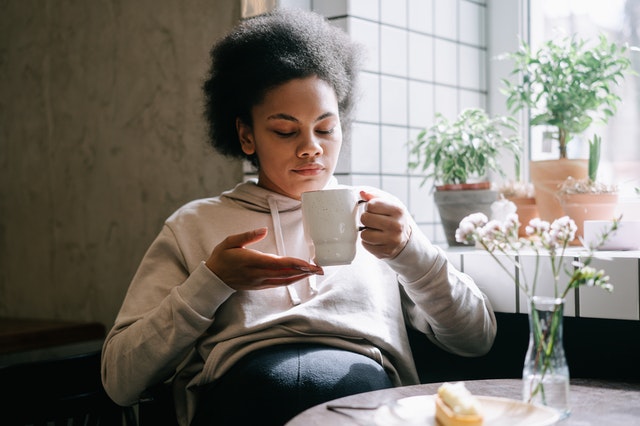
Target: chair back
64 391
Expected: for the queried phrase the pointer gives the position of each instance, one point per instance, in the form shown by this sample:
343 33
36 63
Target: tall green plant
590 185
594 157
567 84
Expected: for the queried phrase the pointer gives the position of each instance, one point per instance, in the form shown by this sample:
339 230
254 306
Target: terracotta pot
547 176
454 205
581 207
527 209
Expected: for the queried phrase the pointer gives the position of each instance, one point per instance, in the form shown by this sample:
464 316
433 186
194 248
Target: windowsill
622 267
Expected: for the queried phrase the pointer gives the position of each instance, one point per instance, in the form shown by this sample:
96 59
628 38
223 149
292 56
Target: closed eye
284 134
326 132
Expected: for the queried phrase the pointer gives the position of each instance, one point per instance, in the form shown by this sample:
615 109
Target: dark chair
156 406
66 391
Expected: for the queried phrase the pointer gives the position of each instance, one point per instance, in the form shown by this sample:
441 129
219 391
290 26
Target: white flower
477 219
466 231
502 236
563 230
537 226
511 225
492 230
502 209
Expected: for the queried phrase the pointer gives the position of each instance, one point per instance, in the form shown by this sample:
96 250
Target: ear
245 134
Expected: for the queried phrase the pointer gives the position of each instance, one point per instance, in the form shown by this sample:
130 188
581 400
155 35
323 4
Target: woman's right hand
245 269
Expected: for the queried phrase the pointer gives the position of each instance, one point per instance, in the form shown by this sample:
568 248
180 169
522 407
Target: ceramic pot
547 176
581 207
527 209
454 205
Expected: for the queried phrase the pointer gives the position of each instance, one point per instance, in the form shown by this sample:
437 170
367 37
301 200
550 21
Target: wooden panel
19 334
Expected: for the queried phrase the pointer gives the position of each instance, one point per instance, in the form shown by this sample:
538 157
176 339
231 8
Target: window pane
619 20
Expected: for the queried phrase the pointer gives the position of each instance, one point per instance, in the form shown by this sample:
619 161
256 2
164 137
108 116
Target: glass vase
545 375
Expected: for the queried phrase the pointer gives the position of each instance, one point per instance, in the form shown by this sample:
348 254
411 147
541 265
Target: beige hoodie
180 320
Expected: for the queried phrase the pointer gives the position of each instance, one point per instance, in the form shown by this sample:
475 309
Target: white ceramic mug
330 218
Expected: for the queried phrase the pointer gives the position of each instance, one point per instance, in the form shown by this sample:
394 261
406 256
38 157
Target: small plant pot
527 209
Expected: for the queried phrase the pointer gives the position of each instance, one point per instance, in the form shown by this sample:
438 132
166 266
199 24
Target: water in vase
553 393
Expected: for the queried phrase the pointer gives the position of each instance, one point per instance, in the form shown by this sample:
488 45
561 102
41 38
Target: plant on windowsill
588 198
567 84
545 372
458 156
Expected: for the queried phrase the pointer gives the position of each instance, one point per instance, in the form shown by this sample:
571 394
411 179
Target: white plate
421 410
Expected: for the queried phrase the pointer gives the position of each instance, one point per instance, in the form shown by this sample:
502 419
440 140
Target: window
619 20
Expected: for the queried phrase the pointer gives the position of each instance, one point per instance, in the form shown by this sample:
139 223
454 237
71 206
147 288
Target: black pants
270 386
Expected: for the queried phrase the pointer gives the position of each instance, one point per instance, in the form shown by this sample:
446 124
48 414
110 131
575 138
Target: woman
226 302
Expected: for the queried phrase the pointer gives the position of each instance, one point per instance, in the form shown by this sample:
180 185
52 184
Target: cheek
335 147
271 155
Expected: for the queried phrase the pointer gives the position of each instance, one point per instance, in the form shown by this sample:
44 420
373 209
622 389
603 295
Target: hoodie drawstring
275 217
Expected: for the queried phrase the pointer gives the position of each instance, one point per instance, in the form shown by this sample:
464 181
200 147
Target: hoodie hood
255 198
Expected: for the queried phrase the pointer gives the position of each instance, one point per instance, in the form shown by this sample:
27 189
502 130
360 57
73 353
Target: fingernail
314 270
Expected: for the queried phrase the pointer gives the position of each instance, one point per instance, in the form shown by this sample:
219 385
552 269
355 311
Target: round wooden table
593 402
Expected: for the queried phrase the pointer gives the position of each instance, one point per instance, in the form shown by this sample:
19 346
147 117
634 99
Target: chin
298 190
314 185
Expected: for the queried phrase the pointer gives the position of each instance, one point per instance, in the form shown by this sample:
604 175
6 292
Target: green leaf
567 83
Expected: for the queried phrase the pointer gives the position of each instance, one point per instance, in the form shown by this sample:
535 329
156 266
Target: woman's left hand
387 225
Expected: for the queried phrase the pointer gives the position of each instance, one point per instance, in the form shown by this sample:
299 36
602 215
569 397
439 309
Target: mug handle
361 227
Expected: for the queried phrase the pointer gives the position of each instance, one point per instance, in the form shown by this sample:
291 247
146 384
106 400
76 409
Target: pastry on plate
456 406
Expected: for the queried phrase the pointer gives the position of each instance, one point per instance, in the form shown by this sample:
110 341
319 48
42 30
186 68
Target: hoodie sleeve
441 301
166 309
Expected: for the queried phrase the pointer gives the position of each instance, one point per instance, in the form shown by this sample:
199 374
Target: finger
372 237
274 262
385 207
244 239
281 276
280 282
367 196
263 283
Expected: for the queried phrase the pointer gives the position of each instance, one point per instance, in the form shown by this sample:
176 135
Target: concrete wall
101 138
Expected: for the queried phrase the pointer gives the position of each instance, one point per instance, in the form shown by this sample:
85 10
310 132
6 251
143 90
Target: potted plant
588 198
522 195
458 156
567 84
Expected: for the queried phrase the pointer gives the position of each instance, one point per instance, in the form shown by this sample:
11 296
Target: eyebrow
282 116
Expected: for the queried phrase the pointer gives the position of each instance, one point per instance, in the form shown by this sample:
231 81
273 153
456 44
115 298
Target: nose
309 147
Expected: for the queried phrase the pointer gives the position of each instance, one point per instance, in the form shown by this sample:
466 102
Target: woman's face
296 135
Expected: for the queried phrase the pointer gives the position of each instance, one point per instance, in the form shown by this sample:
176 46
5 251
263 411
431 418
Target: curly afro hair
268 50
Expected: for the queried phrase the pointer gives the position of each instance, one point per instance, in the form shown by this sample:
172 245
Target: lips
309 169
